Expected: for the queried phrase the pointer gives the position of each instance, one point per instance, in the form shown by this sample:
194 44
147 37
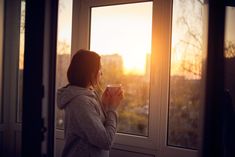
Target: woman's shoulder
84 100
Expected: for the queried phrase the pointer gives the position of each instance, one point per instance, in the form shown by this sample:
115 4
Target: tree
184 99
189 19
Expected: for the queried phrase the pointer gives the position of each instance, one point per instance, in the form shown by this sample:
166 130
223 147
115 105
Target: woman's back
88 130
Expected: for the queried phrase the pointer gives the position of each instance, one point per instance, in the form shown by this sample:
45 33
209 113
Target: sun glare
124 30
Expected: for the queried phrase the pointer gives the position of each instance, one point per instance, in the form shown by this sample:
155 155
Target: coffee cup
113 88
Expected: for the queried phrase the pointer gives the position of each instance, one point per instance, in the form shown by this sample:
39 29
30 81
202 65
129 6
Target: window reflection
230 52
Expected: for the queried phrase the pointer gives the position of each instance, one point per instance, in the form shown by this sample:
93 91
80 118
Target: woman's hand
112 101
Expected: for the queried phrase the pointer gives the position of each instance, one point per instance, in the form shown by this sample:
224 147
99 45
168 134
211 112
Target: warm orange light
125 30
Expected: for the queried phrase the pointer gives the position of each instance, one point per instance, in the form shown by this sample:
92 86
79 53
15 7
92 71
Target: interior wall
113 153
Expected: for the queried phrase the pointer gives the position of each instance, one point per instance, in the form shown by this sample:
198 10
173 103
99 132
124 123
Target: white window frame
156 142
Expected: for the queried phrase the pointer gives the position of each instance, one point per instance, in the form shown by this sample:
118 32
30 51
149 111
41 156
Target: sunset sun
124 30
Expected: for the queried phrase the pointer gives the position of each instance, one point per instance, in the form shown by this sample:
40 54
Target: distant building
113 62
112 69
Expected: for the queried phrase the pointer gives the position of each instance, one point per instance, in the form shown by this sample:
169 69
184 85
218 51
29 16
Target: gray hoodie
89 130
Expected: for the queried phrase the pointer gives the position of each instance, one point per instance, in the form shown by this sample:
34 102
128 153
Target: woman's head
84 69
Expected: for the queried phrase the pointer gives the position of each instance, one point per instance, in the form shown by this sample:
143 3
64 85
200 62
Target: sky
123 29
126 30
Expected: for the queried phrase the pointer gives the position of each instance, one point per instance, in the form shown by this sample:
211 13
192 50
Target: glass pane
21 63
1 55
230 52
186 73
121 34
63 51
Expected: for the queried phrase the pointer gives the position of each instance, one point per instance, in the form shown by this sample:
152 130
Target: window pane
63 51
121 34
186 73
21 63
1 55
230 52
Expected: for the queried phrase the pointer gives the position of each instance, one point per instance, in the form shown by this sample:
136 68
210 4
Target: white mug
112 88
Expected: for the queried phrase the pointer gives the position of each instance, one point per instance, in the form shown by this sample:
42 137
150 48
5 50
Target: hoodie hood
66 94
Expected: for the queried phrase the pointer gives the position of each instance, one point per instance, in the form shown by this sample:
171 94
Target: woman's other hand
115 99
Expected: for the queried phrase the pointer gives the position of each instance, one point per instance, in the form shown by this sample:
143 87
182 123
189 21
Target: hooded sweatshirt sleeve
88 119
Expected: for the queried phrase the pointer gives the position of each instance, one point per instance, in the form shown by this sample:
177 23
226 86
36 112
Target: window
186 74
21 62
121 34
63 51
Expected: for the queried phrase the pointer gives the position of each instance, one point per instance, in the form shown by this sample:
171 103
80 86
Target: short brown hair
83 68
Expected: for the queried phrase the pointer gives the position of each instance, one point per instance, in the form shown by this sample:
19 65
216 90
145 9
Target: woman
90 122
